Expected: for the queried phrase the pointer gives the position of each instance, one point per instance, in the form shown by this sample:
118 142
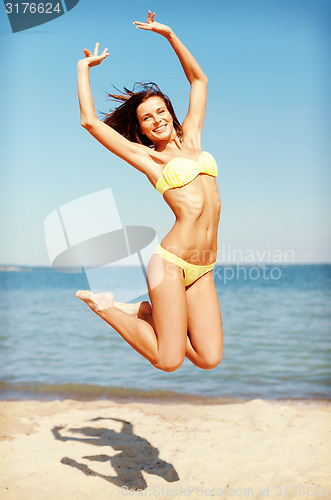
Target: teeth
159 128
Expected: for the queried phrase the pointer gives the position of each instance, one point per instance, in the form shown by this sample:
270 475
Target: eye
162 111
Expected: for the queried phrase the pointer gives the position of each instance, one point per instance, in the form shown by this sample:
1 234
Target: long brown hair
124 118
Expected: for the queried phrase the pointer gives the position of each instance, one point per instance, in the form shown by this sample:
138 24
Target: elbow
204 79
201 79
87 124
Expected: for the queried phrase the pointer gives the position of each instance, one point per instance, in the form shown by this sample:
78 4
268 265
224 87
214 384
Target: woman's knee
210 361
169 364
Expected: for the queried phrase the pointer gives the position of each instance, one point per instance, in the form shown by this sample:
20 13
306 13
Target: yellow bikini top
180 171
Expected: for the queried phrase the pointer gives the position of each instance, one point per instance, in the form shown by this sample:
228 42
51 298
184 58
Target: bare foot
101 302
96 301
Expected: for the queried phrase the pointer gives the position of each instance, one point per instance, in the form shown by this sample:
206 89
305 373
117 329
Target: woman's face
155 119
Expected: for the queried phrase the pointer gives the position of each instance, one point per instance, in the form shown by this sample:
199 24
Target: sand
105 450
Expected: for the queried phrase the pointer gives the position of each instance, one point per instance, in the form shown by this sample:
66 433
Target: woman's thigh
166 290
204 320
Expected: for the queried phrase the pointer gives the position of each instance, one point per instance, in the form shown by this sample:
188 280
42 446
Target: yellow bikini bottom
191 271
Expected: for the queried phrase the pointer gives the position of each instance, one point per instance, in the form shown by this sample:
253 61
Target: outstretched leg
164 343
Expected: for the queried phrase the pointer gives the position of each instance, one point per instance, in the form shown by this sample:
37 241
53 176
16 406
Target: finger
146 27
149 17
152 19
87 53
96 49
140 25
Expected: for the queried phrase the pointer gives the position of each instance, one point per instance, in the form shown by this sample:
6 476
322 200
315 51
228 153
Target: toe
84 294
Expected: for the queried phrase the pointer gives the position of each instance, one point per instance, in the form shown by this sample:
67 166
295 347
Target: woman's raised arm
193 122
87 111
135 154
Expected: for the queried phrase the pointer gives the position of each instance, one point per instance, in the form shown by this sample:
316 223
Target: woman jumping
183 317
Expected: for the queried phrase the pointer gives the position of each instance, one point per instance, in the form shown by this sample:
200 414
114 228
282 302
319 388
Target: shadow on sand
135 455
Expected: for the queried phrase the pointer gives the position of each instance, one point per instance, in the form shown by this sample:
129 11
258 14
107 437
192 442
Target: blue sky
267 123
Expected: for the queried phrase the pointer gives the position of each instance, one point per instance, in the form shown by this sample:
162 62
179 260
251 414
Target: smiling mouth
159 129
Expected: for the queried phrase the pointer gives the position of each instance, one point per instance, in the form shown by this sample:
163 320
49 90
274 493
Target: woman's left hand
152 25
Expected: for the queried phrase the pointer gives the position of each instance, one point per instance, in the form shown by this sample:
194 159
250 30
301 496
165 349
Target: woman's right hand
95 59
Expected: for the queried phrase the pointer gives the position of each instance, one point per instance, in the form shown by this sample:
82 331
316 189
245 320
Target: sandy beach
109 450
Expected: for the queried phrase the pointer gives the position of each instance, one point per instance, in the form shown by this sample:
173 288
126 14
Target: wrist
169 36
82 64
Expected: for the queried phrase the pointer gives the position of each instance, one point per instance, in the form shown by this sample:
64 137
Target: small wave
28 390
89 392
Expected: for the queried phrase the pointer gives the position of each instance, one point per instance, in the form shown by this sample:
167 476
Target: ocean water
276 326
